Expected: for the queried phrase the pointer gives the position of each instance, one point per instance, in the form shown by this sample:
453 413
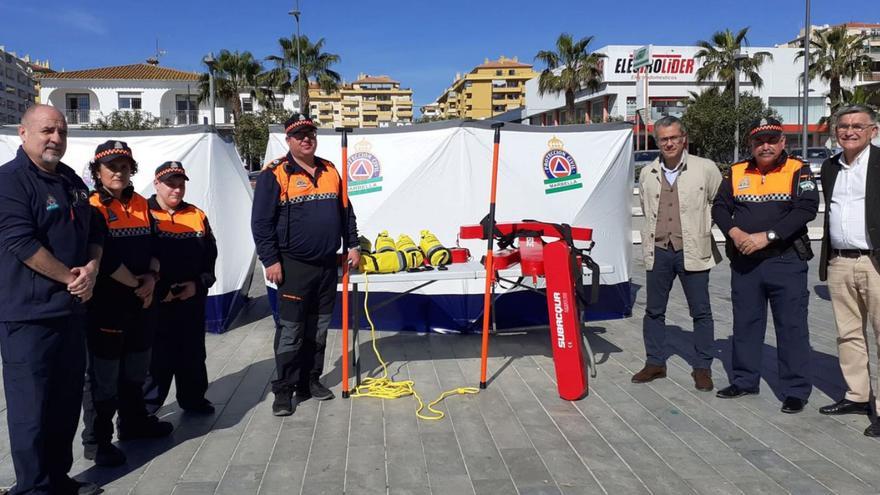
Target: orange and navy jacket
130 241
784 200
300 215
186 248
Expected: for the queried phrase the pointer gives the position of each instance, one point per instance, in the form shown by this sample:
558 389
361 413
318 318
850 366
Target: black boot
104 454
144 427
283 403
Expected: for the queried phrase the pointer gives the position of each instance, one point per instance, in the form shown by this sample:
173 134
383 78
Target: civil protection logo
560 169
364 170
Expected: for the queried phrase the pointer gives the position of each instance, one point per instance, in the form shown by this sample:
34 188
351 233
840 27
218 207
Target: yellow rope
385 388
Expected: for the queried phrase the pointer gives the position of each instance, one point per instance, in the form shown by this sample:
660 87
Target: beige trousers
854 284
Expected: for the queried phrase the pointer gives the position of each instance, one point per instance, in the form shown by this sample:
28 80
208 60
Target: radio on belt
561 264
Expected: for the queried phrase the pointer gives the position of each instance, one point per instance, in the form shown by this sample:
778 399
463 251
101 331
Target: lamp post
806 77
210 61
737 59
296 13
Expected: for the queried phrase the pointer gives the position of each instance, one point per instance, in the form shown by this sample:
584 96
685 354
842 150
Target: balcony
76 116
404 113
170 118
350 112
350 122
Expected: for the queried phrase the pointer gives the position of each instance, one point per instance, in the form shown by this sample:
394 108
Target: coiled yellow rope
383 387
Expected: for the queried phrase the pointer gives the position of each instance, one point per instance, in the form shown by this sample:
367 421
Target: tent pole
490 270
345 267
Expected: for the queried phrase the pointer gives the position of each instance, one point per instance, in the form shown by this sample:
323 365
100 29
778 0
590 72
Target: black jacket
830 168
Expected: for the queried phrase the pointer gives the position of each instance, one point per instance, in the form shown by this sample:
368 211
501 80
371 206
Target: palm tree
579 69
235 73
836 55
315 67
721 55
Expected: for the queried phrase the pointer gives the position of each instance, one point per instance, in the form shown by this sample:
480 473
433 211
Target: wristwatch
772 236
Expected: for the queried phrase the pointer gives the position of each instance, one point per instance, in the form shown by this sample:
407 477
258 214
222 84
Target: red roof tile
133 71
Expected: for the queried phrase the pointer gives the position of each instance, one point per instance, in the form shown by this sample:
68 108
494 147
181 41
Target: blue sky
420 43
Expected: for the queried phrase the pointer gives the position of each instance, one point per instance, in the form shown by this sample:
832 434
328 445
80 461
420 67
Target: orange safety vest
751 186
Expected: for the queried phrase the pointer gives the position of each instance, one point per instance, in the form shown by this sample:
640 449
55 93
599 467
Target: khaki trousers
854 284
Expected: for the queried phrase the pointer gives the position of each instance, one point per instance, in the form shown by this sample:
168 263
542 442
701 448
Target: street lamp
296 13
805 92
210 61
737 59
806 76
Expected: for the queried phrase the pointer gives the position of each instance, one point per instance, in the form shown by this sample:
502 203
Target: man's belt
851 253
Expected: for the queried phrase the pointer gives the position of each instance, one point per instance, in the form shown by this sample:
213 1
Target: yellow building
370 101
490 89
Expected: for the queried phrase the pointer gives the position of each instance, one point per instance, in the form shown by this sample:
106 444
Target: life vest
434 252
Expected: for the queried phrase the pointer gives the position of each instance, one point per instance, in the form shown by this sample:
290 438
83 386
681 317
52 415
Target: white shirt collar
678 167
861 158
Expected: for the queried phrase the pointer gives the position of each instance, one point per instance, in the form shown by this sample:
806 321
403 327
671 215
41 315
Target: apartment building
17 87
489 89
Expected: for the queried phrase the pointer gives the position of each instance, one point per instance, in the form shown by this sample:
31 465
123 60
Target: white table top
472 270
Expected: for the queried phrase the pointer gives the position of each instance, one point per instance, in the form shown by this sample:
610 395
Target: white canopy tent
218 185
436 176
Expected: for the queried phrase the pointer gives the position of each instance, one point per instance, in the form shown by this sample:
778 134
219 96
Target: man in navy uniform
50 249
298 223
763 207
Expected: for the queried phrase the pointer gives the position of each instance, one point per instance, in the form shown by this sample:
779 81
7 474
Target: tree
236 73
710 118
252 134
579 70
721 55
125 120
836 55
315 67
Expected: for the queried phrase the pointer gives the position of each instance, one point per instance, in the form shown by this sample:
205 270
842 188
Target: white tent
218 185
436 176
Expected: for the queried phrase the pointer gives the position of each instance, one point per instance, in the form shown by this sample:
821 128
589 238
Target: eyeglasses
299 136
671 139
760 141
857 128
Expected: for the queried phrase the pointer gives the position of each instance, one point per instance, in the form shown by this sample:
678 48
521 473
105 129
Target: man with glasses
849 252
676 193
763 207
298 223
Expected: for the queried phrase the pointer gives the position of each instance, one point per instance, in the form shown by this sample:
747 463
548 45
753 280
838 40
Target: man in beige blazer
676 193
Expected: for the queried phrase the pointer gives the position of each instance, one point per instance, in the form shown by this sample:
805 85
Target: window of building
77 110
129 101
498 108
187 109
247 105
10 104
10 74
511 72
468 95
499 72
468 84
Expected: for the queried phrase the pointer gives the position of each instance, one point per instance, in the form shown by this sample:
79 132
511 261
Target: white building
169 94
672 76
287 102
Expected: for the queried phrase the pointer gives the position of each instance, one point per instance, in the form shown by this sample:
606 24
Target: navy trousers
43 368
781 281
179 355
669 264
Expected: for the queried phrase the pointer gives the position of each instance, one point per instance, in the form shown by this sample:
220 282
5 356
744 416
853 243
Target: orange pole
490 258
345 268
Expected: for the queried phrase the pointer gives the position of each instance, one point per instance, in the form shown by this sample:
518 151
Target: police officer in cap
121 322
50 246
187 252
763 207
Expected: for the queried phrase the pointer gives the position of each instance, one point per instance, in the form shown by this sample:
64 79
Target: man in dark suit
850 248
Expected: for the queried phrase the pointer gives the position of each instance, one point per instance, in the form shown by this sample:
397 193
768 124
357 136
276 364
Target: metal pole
736 109
806 109
299 61
211 91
